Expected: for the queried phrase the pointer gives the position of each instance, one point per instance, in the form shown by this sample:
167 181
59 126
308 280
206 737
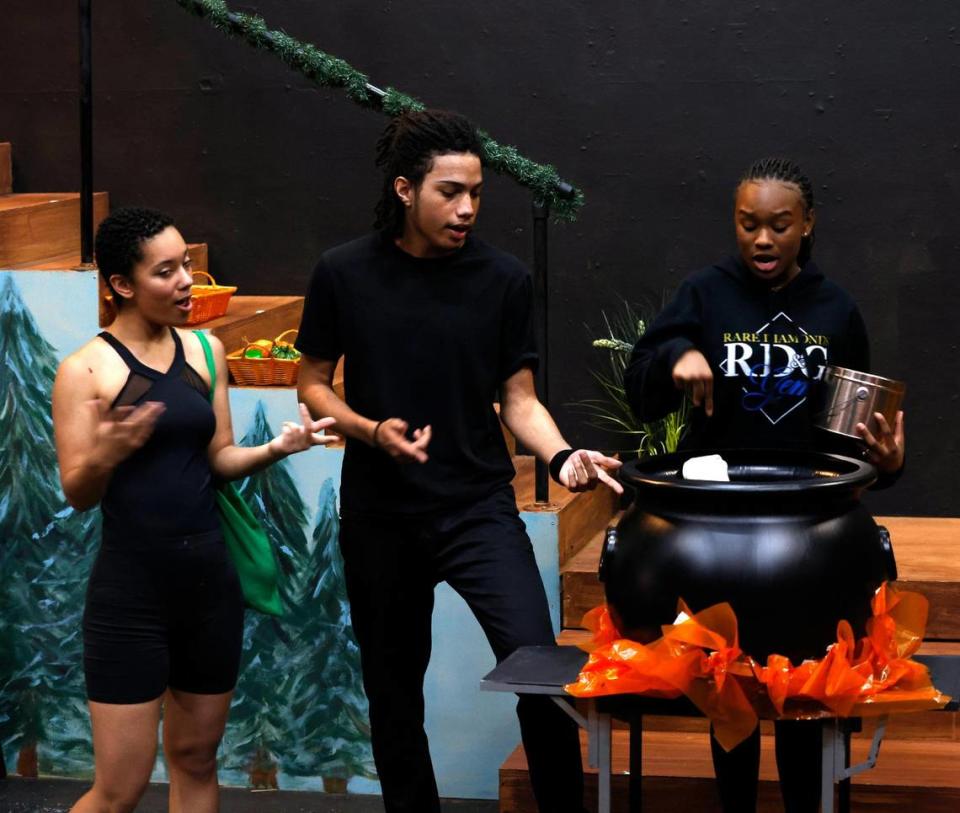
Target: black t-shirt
429 341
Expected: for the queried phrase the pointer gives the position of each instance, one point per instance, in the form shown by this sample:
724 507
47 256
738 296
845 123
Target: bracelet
375 430
557 461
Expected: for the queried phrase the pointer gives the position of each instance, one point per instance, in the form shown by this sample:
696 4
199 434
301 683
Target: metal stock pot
786 542
851 397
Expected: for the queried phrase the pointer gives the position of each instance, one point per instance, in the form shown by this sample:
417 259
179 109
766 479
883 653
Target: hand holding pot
885 450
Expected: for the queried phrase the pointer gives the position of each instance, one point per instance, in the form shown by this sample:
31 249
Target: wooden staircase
919 765
40 231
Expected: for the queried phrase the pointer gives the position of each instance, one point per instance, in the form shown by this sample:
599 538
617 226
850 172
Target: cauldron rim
661 472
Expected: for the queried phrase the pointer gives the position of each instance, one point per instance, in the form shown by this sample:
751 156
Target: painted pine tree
328 708
30 497
257 739
69 546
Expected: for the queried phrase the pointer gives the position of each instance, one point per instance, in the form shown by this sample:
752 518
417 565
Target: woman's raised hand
298 437
122 430
693 375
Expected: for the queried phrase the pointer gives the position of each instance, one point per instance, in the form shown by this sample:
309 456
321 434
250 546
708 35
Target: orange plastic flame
699 656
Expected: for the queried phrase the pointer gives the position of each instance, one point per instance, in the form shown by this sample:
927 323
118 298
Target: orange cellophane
699 656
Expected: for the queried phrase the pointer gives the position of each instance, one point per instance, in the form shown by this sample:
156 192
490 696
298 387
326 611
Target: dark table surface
547 669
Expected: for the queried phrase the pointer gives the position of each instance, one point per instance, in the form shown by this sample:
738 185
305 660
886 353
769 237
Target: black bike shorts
163 613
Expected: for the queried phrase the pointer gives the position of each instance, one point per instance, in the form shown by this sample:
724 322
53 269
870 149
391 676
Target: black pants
392 565
798 763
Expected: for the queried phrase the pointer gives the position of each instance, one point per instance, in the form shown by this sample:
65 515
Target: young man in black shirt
432 323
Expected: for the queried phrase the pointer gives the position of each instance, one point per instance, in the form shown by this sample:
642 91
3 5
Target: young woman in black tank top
136 433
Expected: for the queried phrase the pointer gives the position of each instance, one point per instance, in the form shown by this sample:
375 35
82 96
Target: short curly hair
120 238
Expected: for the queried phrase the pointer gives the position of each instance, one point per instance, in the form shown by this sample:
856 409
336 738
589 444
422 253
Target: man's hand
391 436
692 374
298 437
584 469
887 449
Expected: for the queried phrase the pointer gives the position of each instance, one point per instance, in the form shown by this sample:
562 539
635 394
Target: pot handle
607 552
886 545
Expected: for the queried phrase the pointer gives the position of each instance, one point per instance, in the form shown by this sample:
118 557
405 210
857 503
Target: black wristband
557 461
375 430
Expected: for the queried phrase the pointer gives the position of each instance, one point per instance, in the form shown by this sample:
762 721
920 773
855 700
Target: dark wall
654 108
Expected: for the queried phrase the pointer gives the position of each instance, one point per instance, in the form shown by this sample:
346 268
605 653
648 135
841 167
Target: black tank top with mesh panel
165 489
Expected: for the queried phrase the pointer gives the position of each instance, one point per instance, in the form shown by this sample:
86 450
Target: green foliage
257 739
299 708
46 551
28 366
329 71
328 708
65 552
612 412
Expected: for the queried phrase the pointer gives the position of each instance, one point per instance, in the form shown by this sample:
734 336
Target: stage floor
19 795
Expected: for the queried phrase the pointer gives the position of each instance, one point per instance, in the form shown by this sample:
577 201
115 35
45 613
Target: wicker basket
209 301
263 372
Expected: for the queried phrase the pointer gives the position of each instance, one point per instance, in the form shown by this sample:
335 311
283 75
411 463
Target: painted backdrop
299 718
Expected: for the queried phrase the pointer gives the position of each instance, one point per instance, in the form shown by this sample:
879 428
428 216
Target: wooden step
199 257
71 261
6 168
255 317
39 227
678 776
581 516
580 588
928 560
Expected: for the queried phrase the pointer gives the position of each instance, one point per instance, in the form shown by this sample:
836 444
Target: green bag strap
208 355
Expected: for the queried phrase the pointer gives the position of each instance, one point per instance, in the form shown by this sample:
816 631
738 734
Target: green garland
330 71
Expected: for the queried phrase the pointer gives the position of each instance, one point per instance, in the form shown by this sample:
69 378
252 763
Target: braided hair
786 171
407 147
119 242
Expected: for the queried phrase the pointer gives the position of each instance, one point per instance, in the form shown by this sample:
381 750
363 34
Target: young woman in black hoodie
748 340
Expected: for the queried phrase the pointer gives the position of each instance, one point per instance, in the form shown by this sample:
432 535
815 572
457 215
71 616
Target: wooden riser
582 516
6 168
580 588
71 261
928 559
678 775
35 228
255 317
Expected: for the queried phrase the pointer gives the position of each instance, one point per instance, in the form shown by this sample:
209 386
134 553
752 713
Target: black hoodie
767 349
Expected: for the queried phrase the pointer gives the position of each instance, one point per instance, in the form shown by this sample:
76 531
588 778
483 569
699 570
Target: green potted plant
611 411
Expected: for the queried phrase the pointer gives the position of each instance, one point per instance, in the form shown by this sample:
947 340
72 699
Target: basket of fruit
265 363
209 301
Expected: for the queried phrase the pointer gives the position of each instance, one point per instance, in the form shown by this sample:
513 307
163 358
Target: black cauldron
786 542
